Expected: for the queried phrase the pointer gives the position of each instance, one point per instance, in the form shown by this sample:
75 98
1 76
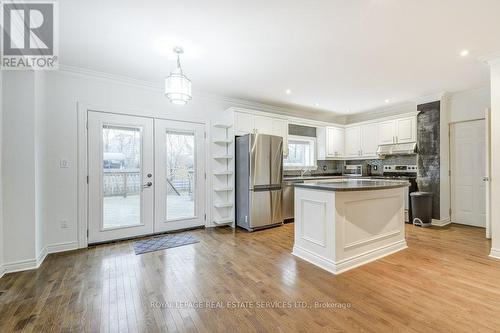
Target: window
301 153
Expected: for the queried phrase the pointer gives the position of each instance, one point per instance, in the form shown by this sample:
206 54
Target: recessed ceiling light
387 101
464 53
288 91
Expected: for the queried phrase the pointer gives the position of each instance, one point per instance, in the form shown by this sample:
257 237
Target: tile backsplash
329 167
378 164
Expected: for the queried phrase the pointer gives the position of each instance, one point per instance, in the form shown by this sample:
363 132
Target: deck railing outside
121 182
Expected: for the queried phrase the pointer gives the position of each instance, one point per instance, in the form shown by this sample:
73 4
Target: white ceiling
348 56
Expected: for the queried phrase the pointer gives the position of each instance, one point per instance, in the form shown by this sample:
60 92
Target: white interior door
468 166
180 178
120 169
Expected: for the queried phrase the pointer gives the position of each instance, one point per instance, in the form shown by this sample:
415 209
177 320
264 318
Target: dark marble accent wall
428 178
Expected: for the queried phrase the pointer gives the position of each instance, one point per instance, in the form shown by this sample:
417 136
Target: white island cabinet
345 223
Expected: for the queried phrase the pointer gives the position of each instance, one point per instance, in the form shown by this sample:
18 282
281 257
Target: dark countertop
294 178
353 184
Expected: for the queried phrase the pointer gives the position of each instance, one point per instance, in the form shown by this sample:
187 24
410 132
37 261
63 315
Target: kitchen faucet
303 172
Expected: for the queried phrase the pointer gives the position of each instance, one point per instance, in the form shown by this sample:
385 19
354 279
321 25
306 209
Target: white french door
145 176
180 175
121 179
468 167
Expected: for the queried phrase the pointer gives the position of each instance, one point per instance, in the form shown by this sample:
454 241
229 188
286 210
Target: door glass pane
121 181
181 191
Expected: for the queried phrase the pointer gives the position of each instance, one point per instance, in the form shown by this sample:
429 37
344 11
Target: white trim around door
199 217
121 176
468 158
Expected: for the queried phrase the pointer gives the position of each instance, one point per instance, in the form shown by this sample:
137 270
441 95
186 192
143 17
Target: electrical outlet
64 224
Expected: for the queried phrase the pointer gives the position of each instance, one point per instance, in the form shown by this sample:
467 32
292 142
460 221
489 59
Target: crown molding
89 73
430 98
381 112
491 59
153 86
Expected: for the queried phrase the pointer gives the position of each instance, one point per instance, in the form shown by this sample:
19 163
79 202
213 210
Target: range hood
397 149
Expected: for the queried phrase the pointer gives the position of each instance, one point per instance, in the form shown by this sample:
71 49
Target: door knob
486 179
148 184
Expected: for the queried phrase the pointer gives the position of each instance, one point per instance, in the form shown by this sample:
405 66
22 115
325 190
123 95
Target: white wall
40 161
1 186
23 168
469 105
391 110
66 89
18 169
495 159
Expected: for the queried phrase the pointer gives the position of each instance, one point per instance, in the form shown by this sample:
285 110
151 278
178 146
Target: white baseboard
495 253
350 263
24 265
441 223
62 247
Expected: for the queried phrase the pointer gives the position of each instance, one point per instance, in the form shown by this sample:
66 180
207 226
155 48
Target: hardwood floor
444 281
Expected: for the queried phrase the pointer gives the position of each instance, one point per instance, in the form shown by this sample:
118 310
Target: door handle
148 184
486 179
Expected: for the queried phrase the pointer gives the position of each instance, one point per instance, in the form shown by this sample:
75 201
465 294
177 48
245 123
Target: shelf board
223 142
220 125
223 204
223 157
223 173
223 221
223 189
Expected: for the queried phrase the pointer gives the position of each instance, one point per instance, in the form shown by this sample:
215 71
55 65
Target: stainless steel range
404 172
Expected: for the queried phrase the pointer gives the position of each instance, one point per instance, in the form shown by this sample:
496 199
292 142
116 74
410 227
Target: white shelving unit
223 210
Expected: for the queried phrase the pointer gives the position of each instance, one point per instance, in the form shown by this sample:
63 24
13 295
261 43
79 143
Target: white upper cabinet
263 125
387 132
353 141
402 130
243 123
369 140
280 128
406 130
334 142
330 142
246 123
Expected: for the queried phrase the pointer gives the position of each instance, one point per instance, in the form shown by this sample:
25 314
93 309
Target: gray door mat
163 242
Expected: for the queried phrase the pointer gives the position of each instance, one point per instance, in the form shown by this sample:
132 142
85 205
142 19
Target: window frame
312 154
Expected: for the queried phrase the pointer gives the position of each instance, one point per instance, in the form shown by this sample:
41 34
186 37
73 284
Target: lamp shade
178 88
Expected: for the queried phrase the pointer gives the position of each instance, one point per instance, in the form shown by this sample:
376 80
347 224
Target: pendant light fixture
177 85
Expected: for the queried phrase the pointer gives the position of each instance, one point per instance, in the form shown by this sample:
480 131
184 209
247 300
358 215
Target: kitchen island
344 223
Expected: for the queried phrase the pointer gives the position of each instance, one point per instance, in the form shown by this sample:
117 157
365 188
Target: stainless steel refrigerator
259 173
